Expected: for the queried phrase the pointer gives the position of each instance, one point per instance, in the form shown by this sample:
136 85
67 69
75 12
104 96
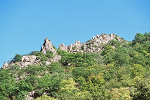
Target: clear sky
24 24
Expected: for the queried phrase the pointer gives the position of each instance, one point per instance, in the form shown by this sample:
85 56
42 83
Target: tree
97 79
137 70
17 58
121 56
69 91
107 48
139 38
141 88
120 94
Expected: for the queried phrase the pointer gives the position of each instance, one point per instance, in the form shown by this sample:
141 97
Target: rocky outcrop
48 46
28 60
76 47
56 58
93 45
30 95
104 38
63 47
25 61
5 65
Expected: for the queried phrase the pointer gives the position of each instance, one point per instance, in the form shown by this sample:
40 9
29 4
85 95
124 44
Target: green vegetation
121 71
42 56
82 47
74 47
95 46
17 58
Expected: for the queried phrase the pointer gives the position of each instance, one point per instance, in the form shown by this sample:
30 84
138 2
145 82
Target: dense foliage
17 58
120 72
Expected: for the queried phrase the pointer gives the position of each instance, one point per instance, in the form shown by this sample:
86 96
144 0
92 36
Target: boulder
56 58
48 46
28 60
47 62
5 65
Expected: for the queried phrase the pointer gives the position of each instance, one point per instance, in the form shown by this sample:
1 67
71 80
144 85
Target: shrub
15 67
74 47
17 58
95 46
116 37
49 54
54 47
82 47
114 43
88 41
36 53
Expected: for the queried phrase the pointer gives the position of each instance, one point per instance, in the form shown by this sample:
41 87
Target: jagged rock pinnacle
48 46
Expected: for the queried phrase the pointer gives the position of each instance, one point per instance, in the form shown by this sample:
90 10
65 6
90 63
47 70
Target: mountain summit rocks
48 46
92 45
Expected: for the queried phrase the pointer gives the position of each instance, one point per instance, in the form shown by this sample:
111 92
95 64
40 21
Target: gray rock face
47 62
28 60
76 47
103 38
5 66
56 58
48 46
30 95
91 46
25 61
63 47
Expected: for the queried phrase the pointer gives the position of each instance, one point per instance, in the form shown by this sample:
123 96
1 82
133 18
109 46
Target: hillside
106 67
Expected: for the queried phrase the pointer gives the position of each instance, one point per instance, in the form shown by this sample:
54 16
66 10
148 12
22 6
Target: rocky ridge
32 59
92 45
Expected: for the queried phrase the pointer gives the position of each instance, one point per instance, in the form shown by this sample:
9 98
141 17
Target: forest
121 71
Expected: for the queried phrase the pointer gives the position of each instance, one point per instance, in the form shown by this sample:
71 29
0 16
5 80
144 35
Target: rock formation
5 66
25 61
63 47
92 45
28 60
48 46
56 58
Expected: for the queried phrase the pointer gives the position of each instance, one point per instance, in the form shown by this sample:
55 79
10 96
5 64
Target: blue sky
24 24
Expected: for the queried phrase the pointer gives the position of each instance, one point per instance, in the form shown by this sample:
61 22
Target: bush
95 46
15 67
17 58
81 71
82 47
36 53
49 54
139 38
114 43
74 47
